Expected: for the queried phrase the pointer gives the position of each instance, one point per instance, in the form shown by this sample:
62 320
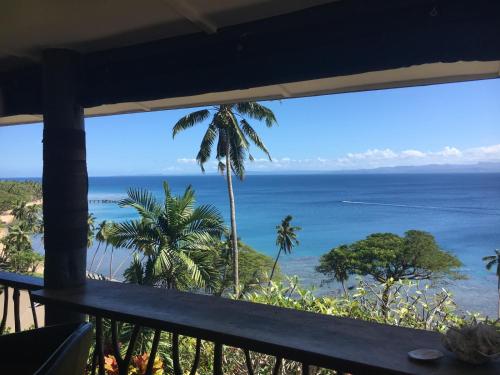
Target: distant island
481 167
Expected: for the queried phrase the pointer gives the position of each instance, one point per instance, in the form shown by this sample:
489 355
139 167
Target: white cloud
413 154
485 151
371 158
449 152
186 161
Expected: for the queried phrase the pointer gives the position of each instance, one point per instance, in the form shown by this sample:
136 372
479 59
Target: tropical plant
231 134
100 236
12 192
491 261
17 254
254 267
387 256
90 230
103 234
286 239
174 239
335 264
29 216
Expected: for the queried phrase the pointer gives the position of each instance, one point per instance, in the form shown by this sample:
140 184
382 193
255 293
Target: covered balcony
63 62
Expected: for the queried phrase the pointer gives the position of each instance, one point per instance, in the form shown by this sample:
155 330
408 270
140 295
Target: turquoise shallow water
461 210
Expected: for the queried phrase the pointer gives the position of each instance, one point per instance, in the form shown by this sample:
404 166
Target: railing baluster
130 349
35 319
17 314
152 355
93 365
248 361
196 360
99 345
277 366
218 353
175 354
5 308
116 348
305 369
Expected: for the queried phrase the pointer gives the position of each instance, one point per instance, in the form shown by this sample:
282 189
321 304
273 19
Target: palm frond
206 145
490 264
235 133
190 120
489 258
142 201
257 111
237 159
252 134
192 268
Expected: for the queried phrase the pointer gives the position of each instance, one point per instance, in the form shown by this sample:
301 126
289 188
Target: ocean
461 210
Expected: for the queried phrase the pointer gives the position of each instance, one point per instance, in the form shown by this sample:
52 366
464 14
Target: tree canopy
385 256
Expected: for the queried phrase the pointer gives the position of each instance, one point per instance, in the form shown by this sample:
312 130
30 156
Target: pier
103 201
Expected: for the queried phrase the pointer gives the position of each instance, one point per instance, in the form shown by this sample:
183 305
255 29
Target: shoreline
6 218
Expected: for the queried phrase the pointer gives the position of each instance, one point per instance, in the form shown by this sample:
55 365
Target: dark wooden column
65 181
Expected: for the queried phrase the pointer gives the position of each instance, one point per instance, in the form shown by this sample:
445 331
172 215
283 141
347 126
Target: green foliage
286 239
490 262
11 192
411 304
229 133
254 268
25 261
175 238
17 254
385 256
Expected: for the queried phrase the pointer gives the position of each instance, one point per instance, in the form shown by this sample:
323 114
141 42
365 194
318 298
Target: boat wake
471 210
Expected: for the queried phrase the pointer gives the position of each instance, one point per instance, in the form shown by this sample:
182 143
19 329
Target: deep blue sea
461 210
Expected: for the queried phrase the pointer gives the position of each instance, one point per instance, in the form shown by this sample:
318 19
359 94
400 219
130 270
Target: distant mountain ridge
481 167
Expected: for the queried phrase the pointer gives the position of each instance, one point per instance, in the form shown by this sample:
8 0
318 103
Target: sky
441 124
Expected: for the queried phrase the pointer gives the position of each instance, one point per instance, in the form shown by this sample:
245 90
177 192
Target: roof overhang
338 47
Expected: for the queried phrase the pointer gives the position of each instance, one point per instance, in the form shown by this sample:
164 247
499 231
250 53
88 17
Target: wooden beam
192 14
65 181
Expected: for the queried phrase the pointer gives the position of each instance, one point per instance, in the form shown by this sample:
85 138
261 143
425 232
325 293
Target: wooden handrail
17 283
344 344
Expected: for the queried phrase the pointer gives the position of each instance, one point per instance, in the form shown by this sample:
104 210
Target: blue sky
451 123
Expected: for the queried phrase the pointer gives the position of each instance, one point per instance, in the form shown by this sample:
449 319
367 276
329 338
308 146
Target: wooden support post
65 181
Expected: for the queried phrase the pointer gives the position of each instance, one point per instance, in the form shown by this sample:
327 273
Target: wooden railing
312 340
14 283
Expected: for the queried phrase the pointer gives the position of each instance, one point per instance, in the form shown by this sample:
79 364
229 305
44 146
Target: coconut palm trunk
274 267
234 235
498 287
342 282
95 254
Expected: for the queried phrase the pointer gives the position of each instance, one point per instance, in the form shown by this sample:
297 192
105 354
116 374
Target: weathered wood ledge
345 344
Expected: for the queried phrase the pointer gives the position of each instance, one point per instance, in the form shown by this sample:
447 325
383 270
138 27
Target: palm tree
494 260
100 236
231 133
286 239
174 238
29 216
103 235
90 230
